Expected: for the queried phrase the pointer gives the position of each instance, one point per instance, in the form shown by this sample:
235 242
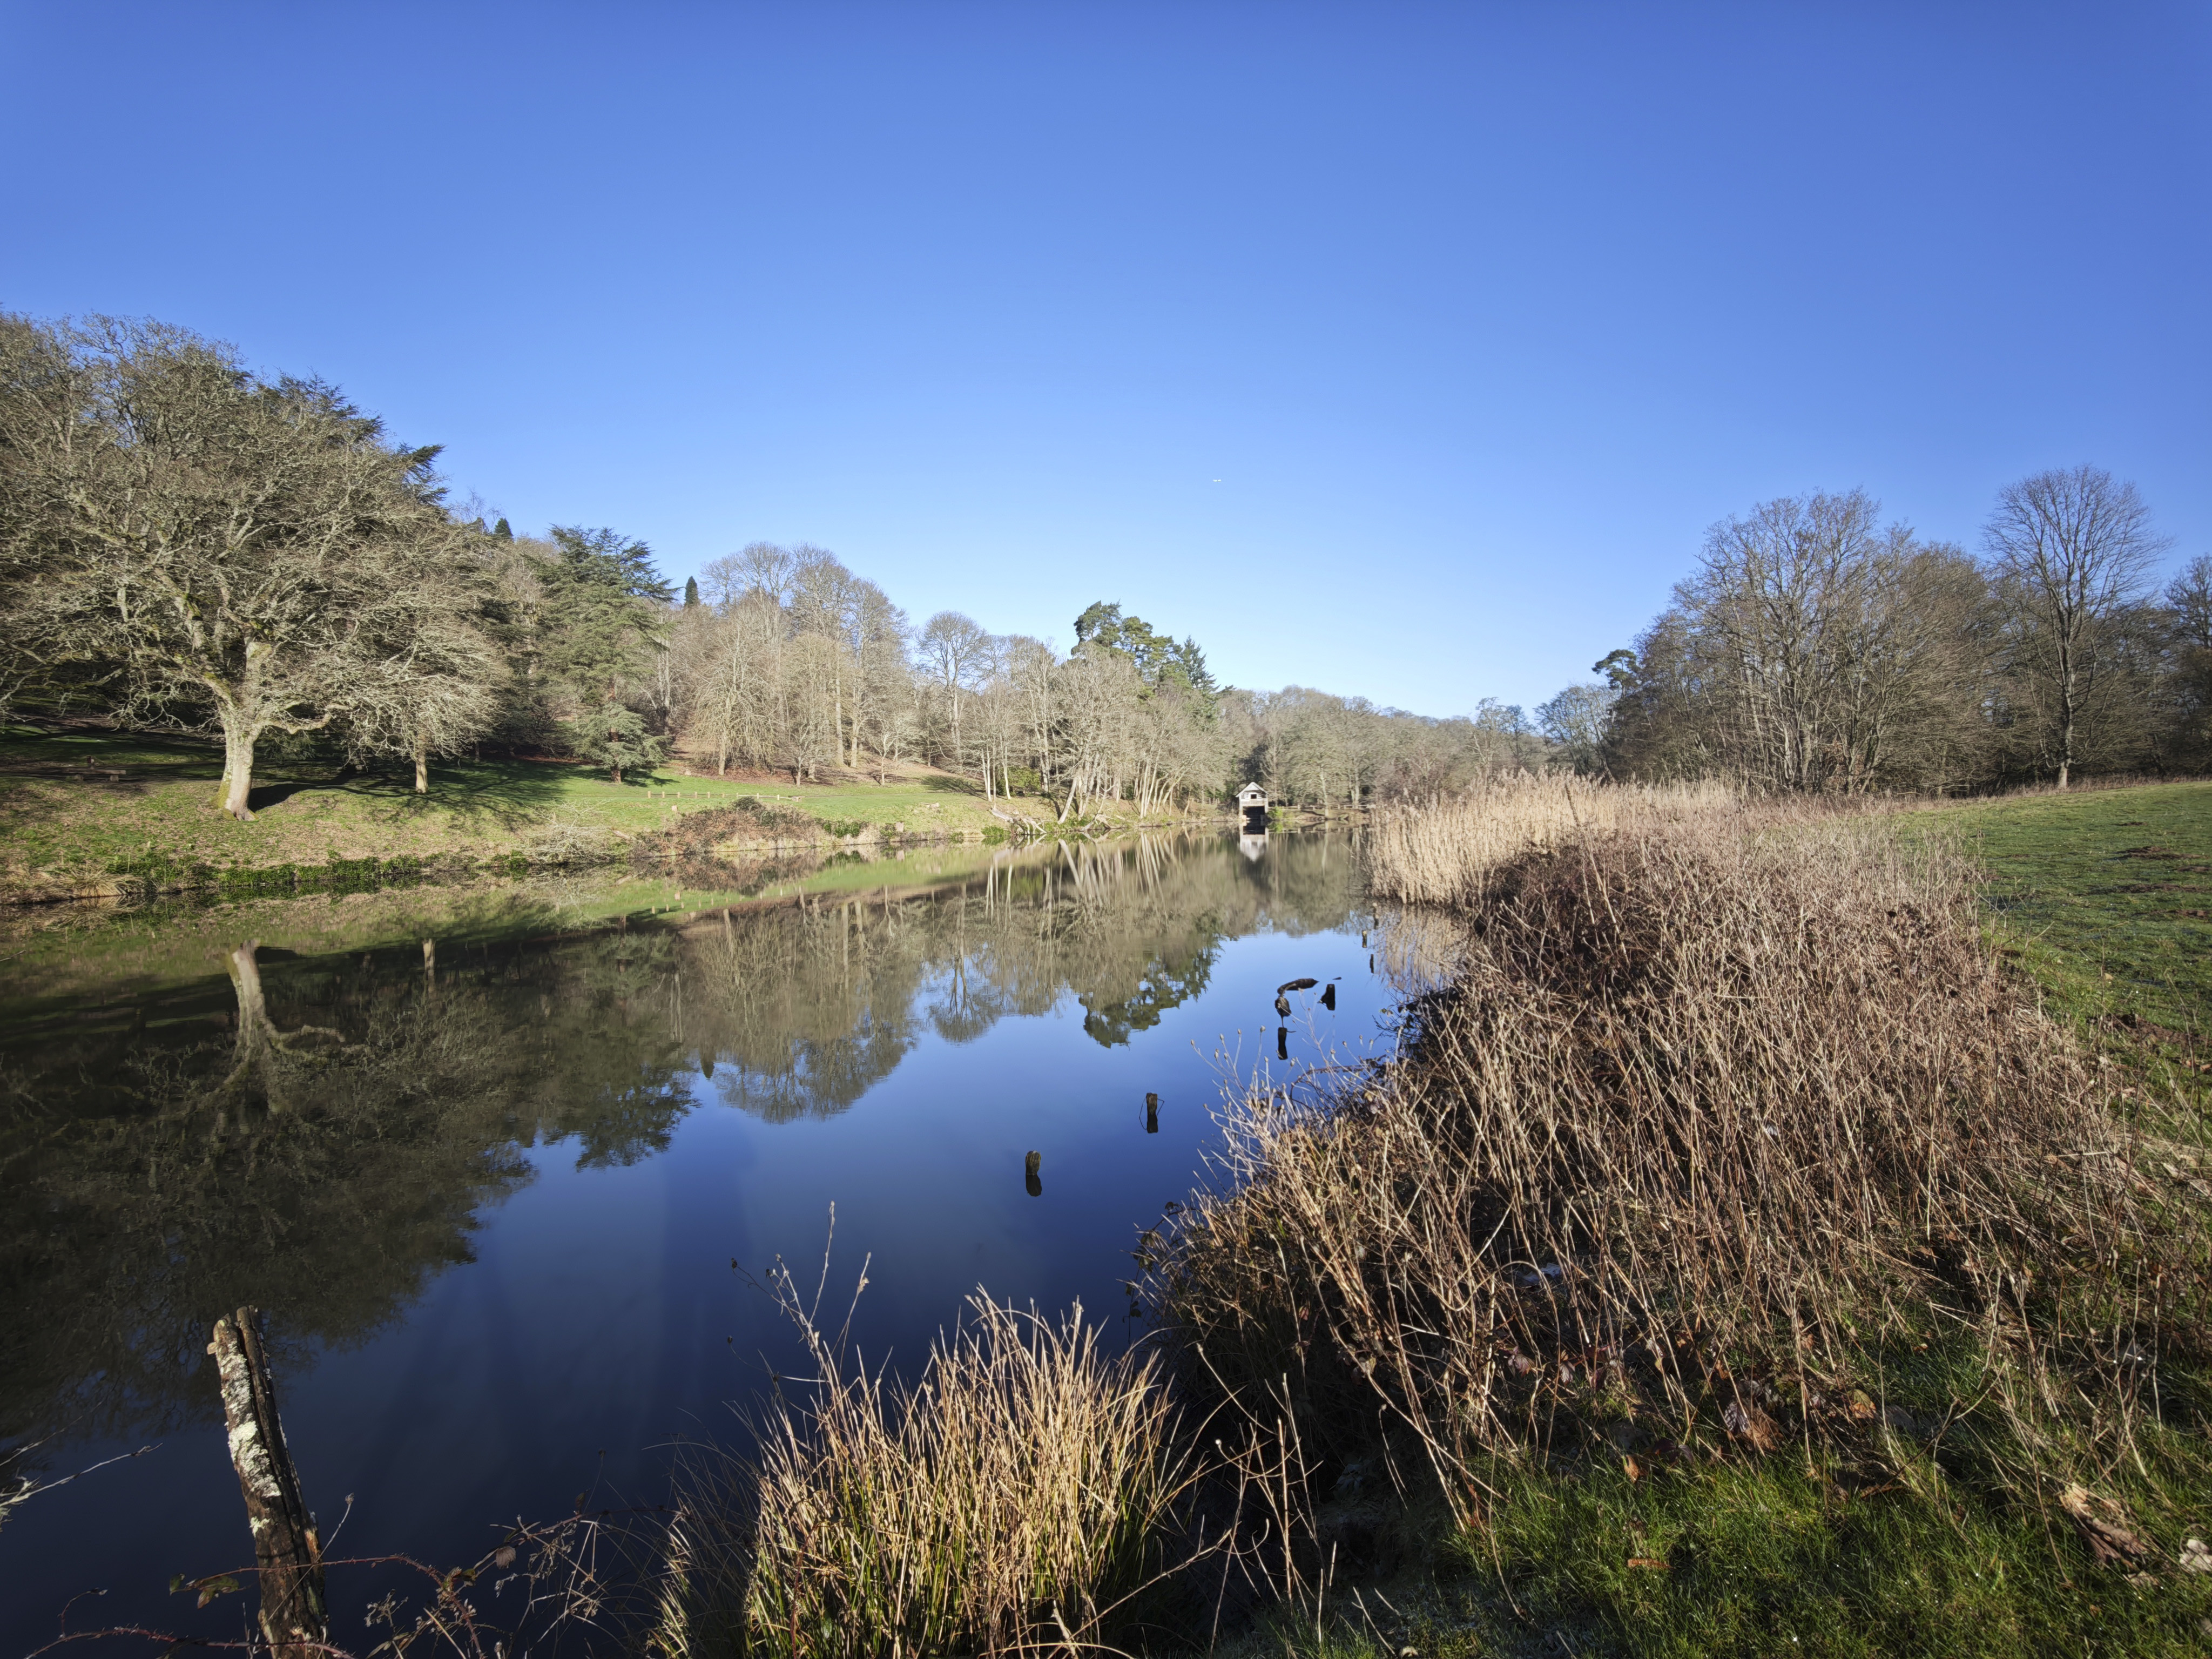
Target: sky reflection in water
502 1197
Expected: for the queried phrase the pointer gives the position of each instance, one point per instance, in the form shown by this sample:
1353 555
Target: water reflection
318 1130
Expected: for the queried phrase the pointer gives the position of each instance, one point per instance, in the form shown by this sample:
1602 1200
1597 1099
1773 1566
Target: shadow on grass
506 795
945 785
53 776
33 751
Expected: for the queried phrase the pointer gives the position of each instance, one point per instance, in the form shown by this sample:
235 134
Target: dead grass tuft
1023 1492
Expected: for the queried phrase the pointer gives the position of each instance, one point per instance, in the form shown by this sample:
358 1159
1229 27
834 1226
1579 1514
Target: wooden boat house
1252 801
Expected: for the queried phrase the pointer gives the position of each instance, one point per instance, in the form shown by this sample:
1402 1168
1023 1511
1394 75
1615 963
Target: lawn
78 805
2103 897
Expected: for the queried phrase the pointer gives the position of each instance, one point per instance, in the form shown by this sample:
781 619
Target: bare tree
730 681
46 399
2072 549
1575 721
230 541
758 567
2189 596
1781 593
953 648
431 673
883 696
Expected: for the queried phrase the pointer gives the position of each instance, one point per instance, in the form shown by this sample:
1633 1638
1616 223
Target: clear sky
1397 349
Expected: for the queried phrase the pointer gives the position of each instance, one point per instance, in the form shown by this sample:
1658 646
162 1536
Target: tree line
187 544
1817 647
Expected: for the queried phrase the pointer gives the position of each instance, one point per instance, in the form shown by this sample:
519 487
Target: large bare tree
956 652
2189 596
236 546
432 672
2073 549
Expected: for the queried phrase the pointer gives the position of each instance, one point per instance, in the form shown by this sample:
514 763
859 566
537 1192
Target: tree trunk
237 767
293 1618
421 766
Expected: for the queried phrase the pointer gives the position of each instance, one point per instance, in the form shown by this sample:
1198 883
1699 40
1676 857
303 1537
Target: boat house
1252 801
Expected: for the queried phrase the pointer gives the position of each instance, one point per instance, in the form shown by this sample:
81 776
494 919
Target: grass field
77 805
2106 896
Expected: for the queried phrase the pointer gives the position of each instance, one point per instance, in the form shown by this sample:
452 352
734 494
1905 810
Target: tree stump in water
294 1617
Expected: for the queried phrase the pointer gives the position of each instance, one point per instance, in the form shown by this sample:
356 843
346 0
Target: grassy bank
79 808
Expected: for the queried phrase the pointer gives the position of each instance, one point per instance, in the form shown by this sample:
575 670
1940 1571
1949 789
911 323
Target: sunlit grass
75 805
2106 894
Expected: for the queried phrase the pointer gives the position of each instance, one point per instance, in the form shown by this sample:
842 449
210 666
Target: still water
502 1165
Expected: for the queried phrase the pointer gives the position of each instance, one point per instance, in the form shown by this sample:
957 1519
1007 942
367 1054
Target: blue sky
1398 349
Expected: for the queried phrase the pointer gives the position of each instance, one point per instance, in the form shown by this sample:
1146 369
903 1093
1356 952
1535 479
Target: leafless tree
46 401
1575 721
432 673
954 650
758 567
2189 596
2072 549
237 545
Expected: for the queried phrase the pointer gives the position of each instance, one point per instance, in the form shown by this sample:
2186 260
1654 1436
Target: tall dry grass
1445 852
1716 1098
1024 1491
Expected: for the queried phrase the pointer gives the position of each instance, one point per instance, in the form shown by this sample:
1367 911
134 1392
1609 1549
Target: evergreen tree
503 531
1159 657
602 617
690 592
614 736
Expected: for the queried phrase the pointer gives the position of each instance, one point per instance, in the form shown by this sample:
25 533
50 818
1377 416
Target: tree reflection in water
317 1134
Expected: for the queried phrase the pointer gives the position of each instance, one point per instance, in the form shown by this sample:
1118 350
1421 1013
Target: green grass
1885 1553
77 805
2105 896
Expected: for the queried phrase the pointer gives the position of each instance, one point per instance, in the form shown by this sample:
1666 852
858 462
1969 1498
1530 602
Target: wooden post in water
294 1617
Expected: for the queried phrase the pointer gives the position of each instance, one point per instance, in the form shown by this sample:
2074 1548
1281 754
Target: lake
504 1165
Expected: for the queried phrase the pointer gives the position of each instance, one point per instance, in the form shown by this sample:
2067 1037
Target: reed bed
1026 1492
1445 852
1719 1100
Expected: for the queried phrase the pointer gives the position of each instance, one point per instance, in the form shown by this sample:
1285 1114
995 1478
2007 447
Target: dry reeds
1447 851
1707 1099
1021 1493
